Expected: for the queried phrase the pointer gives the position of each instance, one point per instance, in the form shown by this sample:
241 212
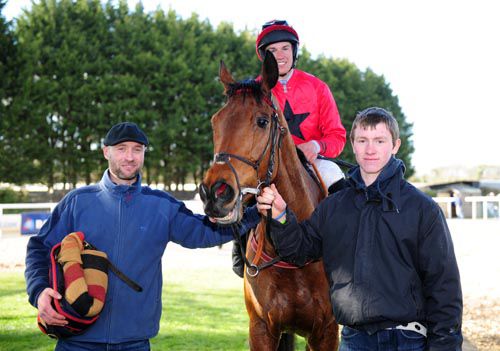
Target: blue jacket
388 256
133 225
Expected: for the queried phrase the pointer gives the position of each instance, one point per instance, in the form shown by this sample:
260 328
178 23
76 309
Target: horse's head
246 135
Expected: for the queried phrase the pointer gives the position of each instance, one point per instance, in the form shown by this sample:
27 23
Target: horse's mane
247 86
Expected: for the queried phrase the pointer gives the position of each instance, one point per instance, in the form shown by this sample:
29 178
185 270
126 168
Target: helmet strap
287 75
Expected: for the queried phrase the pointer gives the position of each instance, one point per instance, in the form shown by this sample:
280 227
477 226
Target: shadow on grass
10 292
199 341
12 284
32 340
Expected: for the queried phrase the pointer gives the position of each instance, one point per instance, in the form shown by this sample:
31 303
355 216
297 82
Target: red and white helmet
275 31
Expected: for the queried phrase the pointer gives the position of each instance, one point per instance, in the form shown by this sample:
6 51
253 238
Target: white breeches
329 171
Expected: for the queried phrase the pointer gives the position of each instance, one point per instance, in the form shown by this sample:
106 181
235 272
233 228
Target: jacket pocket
348 332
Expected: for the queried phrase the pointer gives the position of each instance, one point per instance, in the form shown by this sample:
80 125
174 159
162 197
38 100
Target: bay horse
251 143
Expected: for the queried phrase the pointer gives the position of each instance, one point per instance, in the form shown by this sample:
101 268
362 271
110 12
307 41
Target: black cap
125 131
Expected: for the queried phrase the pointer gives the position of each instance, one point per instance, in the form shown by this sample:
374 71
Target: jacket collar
386 188
107 183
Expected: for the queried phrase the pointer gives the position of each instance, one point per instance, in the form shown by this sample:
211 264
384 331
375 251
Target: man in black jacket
386 247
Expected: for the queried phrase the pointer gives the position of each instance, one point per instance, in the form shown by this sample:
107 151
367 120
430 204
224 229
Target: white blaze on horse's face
283 53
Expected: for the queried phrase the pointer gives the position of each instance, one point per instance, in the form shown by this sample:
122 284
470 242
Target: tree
61 67
15 164
73 68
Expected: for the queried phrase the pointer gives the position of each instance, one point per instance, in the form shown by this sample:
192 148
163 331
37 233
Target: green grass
202 310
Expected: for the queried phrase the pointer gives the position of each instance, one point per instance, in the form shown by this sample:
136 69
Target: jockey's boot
238 262
338 185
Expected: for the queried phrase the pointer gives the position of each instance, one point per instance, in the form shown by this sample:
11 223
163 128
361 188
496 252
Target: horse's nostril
220 190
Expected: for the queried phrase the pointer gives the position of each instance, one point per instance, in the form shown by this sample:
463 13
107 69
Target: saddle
308 167
79 272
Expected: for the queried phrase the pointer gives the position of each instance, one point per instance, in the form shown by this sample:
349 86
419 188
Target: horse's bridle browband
274 143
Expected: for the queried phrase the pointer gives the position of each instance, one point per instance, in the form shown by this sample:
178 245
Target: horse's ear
269 72
225 76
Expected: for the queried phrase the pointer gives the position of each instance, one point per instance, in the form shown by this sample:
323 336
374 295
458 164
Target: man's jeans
68 345
383 340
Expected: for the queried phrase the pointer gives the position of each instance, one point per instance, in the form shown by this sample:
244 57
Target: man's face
125 161
283 53
373 148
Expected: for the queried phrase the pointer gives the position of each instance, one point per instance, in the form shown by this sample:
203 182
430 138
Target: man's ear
105 152
397 144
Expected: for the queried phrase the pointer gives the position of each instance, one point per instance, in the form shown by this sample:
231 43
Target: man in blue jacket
132 224
386 248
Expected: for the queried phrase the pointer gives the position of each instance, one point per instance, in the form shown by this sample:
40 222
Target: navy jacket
133 225
388 255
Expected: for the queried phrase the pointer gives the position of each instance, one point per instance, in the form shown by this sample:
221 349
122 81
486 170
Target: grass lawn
203 309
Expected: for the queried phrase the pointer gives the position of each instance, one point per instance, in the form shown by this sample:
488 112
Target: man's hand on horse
310 150
268 198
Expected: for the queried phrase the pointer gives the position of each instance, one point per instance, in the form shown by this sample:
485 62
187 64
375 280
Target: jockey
309 109
306 101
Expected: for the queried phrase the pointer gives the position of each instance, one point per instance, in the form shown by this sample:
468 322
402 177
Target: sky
441 59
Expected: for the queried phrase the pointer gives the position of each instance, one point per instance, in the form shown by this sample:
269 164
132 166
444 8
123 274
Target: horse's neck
296 186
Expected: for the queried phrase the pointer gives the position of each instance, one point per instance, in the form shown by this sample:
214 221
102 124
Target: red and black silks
79 272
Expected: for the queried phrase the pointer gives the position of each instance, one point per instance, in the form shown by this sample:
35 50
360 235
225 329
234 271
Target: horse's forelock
249 86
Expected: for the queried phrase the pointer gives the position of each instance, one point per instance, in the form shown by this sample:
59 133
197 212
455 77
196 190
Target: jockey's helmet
273 32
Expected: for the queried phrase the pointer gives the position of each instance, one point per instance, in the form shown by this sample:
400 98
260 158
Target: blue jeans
68 345
383 340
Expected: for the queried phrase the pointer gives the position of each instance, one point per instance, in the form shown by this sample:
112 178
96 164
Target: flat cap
125 131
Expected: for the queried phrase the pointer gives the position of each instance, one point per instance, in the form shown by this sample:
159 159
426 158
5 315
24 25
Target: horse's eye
262 122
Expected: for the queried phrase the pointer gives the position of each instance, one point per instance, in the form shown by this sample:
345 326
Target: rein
273 144
272 261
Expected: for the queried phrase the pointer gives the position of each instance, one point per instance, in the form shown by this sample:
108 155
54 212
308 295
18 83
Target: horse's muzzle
219 202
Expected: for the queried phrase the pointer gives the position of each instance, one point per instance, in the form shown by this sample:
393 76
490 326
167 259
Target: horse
252 146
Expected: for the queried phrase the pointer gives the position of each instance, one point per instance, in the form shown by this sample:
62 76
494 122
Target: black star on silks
294 121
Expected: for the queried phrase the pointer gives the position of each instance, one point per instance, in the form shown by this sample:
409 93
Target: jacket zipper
120 223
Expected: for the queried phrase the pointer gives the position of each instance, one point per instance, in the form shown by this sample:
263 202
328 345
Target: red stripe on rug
72 273
98 292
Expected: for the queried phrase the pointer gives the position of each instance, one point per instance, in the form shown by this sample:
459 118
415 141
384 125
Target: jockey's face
283 53
125 161
373 148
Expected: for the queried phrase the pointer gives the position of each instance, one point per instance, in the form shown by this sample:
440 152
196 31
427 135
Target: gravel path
476 247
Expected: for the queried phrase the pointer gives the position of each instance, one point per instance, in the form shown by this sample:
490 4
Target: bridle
273 144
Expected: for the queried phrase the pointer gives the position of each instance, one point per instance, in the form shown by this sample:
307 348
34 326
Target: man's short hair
371 116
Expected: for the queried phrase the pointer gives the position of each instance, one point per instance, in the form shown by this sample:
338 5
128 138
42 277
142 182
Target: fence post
474 209
1 221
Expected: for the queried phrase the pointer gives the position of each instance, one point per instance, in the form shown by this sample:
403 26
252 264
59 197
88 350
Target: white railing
48 205
484 201
446 200
473 200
